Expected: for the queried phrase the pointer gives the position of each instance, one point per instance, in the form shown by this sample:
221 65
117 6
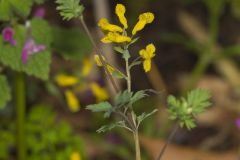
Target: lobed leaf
100 107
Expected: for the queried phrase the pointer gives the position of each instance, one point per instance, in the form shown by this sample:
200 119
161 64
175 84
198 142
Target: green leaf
38 64
119 50
198 99
123 98
143 116
184 109
100 107
5 94
118 75
133 41
71 43
69 8
111 126
138 95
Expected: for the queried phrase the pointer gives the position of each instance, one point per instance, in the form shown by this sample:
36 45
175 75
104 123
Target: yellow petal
143 53
150 50
98 60
87 66
120 11
65 80
139 26
106 40
106 26
99 92
148 17
144 19
72 101
75 156
117 38
147 65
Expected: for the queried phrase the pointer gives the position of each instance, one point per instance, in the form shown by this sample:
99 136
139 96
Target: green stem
128 76
137 145
168 141
20 108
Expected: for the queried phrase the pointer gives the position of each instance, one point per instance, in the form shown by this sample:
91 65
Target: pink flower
238 123
39 12
7 34
31 48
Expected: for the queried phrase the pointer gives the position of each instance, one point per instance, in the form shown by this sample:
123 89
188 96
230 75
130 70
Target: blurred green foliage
45 139
5 95
71 43
11 8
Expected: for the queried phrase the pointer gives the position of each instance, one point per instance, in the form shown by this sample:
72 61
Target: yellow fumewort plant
118 34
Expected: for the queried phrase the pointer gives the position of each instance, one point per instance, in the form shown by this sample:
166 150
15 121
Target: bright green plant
123 104
25 49
45 138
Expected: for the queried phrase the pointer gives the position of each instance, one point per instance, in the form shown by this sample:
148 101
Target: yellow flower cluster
68 81
116 33
147 54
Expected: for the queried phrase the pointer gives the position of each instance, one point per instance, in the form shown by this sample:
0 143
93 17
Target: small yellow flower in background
72 101
147 54
144 19
115 37
87 66
120 11
110 69
99 92
66 80
106 26
98 60
75 156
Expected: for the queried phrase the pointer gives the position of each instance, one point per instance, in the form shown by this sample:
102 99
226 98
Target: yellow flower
115 37
106 26
110 69
98 60
120 11
99 92
75 156
72 101
144 19
147 54
66 80
87 66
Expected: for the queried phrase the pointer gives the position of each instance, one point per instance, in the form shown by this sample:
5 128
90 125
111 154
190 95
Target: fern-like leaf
69 8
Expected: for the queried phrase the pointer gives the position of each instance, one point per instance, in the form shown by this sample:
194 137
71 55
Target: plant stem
128 76
137 145
168 141
20 108
98 51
